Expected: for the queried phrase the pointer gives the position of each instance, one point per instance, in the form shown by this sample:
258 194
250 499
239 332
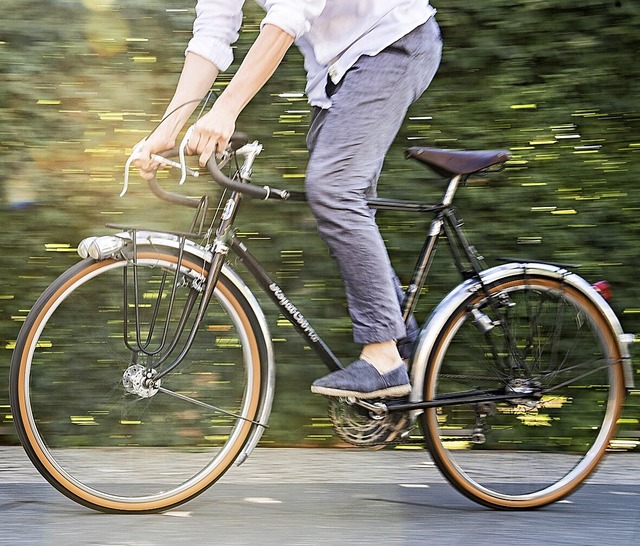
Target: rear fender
436 322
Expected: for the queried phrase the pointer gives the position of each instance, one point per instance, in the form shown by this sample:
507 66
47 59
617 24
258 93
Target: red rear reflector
604 289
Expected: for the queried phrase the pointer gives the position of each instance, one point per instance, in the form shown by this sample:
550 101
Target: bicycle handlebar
238 145
244 187
241 184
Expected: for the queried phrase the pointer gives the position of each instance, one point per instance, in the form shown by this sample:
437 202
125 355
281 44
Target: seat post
451 189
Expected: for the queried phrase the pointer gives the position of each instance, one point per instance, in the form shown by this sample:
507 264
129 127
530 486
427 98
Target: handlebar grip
173 152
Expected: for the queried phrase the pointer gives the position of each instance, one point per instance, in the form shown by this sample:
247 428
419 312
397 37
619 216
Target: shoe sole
391 392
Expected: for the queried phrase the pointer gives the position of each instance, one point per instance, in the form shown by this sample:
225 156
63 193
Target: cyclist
366 62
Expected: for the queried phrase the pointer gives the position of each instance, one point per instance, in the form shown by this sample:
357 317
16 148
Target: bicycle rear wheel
79 400
529 334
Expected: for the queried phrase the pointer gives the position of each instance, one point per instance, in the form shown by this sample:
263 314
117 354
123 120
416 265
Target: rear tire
523 453
121 448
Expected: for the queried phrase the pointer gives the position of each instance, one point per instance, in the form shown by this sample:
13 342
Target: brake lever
181 153
170 163
135 154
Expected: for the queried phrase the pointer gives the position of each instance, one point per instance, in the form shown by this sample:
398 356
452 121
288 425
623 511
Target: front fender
160 240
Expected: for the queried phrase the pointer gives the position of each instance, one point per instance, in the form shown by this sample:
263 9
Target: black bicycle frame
467 261
289 310
446 222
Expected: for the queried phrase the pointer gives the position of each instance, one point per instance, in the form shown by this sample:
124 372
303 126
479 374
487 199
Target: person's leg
347 145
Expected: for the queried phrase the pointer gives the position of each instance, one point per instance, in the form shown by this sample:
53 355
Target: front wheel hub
138 380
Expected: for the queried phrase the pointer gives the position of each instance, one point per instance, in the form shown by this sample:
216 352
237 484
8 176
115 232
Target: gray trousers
347 144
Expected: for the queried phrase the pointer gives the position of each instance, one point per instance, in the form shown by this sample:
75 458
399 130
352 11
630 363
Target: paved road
309 497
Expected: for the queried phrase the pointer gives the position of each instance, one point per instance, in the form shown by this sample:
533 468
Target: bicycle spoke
576 379
207 406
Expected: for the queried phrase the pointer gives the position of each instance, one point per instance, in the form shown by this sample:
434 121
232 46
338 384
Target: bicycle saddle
449 163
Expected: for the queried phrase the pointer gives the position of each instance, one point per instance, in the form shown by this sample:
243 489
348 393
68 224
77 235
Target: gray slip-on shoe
362 380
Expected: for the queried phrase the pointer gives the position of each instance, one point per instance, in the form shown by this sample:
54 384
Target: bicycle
518 375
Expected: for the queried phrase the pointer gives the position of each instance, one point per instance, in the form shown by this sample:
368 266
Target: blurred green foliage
556 82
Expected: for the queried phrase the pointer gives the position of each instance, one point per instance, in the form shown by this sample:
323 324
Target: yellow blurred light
82 420
107 37
566 211
535 419
144 59
99 5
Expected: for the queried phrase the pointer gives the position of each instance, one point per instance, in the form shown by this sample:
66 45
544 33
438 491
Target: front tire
85 419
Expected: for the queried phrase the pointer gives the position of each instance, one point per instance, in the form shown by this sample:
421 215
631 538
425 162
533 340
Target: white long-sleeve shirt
331 34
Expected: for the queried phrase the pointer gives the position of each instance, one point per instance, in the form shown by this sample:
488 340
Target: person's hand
155 143
211 133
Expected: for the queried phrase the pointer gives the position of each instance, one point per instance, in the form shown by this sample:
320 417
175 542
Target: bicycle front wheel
88 420
524 335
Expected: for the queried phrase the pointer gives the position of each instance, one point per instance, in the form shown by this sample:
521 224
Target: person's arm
198 74
209 51
213 131
196 78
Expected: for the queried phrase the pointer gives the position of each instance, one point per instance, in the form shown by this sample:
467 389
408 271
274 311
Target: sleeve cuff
213 50
294 24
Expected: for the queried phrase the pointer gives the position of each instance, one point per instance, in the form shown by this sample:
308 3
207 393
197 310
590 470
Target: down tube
289 310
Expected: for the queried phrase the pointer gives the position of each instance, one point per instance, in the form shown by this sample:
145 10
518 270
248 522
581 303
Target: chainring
356 424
